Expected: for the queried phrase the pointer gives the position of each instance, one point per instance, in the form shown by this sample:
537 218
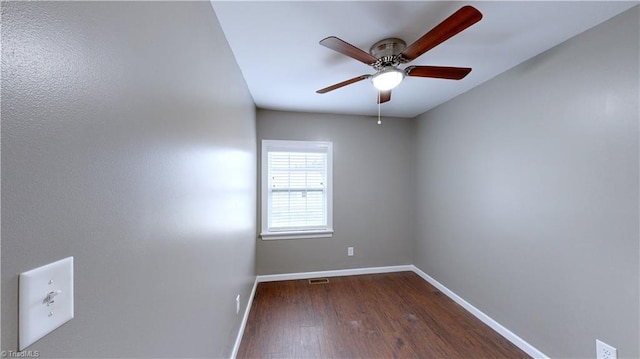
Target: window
296 189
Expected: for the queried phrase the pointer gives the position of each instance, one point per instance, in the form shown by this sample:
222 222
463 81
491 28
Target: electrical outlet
605 351
350 251
237 303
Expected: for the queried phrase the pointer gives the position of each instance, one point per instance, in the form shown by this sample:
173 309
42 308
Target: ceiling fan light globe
387 79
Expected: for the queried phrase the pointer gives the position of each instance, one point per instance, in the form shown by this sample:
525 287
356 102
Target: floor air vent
319 281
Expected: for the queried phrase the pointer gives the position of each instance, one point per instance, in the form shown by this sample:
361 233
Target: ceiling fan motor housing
387 51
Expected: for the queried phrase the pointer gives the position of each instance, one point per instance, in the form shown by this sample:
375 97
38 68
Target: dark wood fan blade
343 83
384 96
460 20
347 49
441 72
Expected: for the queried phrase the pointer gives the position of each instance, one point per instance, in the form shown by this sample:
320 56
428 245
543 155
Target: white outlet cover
36 317
605 351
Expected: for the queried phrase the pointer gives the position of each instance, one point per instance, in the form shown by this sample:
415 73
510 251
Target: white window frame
295 146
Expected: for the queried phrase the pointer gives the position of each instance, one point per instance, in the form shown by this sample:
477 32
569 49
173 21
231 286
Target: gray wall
128 142
528 194
372 208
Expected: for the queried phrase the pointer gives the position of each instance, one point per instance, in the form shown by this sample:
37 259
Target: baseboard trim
334 273
245 317
509 335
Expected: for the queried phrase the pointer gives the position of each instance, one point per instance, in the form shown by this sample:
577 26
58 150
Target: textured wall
528 194
372 206
128 142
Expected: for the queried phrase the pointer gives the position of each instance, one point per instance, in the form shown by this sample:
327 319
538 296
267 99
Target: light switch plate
45 300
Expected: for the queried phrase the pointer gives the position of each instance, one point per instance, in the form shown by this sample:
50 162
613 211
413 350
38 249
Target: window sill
327 233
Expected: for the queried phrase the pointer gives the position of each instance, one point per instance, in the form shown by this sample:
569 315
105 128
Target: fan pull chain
379 122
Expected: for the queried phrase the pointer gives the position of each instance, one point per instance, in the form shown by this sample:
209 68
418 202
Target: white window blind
296 188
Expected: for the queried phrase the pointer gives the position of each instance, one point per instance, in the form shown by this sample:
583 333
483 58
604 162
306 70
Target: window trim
302 146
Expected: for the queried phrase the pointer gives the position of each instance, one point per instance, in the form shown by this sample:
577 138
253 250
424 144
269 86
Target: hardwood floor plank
389 315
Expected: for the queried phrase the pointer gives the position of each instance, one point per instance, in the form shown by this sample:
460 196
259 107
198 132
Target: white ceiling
276 47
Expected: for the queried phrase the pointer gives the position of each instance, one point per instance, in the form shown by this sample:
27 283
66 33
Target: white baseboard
245 317
509 335
334 273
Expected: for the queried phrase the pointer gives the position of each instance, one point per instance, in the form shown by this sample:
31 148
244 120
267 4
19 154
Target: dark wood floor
391 315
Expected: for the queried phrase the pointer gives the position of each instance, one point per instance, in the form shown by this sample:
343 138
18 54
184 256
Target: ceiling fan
386 55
